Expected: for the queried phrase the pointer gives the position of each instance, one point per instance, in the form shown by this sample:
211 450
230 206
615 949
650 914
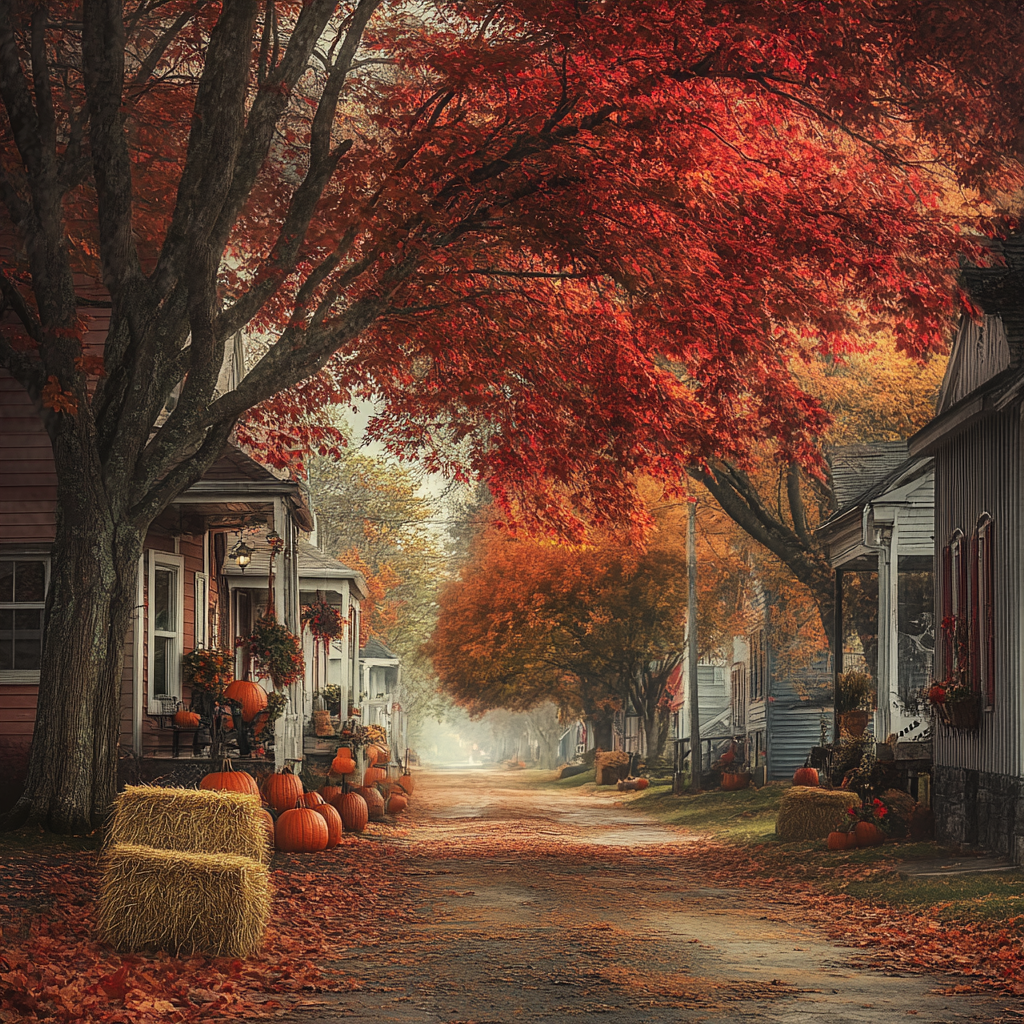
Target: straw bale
191 821
183 903
807 812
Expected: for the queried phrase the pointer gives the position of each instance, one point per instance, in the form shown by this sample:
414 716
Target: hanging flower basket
962 715
277 651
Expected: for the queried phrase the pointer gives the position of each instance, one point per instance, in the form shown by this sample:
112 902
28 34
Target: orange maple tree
560 243
586 626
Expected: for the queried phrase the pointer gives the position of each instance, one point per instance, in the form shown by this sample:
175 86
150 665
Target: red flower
937 694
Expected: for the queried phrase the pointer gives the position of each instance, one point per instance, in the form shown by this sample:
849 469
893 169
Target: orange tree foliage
584 626
561 243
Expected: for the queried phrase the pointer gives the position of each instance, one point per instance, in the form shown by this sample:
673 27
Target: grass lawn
747 819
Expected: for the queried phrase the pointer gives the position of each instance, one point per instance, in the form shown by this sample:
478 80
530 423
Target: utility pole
691 648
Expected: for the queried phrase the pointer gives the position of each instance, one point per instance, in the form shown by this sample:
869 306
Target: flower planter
736 780
964 715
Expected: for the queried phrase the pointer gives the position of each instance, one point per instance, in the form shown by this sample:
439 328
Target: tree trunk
601 723
664 723
72 771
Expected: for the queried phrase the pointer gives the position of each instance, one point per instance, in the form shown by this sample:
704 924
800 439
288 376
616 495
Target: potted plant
869 822
856 695
954 699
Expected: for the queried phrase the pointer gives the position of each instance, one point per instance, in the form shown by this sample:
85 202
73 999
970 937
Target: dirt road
547 905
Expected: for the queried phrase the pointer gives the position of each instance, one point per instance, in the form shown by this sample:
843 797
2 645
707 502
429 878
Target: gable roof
856 468
376 651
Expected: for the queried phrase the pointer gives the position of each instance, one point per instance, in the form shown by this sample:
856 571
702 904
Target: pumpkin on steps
805 777
301 830
332 794
373 774
374 802
343 764
334 826
186 719
251 696
354 812
312 800
281 789
228 780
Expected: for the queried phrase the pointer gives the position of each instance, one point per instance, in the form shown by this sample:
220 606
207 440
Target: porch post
837 648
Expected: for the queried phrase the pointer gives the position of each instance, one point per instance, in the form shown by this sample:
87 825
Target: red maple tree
560 243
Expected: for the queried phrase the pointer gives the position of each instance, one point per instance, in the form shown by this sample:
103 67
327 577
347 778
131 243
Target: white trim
138 648
201 612
27 676
176 563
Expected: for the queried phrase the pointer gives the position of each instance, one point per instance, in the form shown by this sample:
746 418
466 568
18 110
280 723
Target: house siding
978 789
979 471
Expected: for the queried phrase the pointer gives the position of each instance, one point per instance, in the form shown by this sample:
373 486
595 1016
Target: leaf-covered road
544 904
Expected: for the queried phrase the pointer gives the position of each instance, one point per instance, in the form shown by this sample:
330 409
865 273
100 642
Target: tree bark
72 770
601 723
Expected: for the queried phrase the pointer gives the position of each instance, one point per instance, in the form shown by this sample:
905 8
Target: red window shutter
975 619
947 611
989 568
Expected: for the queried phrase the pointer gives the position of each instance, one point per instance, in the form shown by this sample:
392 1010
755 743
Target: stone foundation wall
980 809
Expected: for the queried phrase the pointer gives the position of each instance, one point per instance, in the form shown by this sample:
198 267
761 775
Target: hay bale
807 812
190 821
183 903
610 766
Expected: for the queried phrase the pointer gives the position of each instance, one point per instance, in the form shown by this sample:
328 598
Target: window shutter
974 623
947 610
989 592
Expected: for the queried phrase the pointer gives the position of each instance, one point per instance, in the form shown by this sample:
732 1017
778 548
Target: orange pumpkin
397 803
186 719
229 780
332 794
642 783
343 764
312 800
281 789
251 696
334 826
841 840
405 781
354 812
868 834
374 802
301 830
805 777
373 774
376 754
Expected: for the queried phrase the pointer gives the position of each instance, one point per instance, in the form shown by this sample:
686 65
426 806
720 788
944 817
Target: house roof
376 651
858 468
316 570
985 374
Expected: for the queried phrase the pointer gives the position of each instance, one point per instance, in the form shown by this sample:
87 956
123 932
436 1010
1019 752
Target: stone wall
979 809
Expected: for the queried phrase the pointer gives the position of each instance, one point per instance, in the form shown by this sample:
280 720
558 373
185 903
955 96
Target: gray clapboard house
884 528
975 440
778 711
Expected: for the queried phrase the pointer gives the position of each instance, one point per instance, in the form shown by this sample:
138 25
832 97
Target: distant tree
588 627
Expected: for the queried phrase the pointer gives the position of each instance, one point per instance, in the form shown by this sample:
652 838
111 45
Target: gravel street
536 904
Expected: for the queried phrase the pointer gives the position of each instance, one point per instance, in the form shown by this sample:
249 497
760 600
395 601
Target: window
166 603
23 583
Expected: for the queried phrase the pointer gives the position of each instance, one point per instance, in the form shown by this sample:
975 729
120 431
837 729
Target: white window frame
25 675
176 563
202 611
